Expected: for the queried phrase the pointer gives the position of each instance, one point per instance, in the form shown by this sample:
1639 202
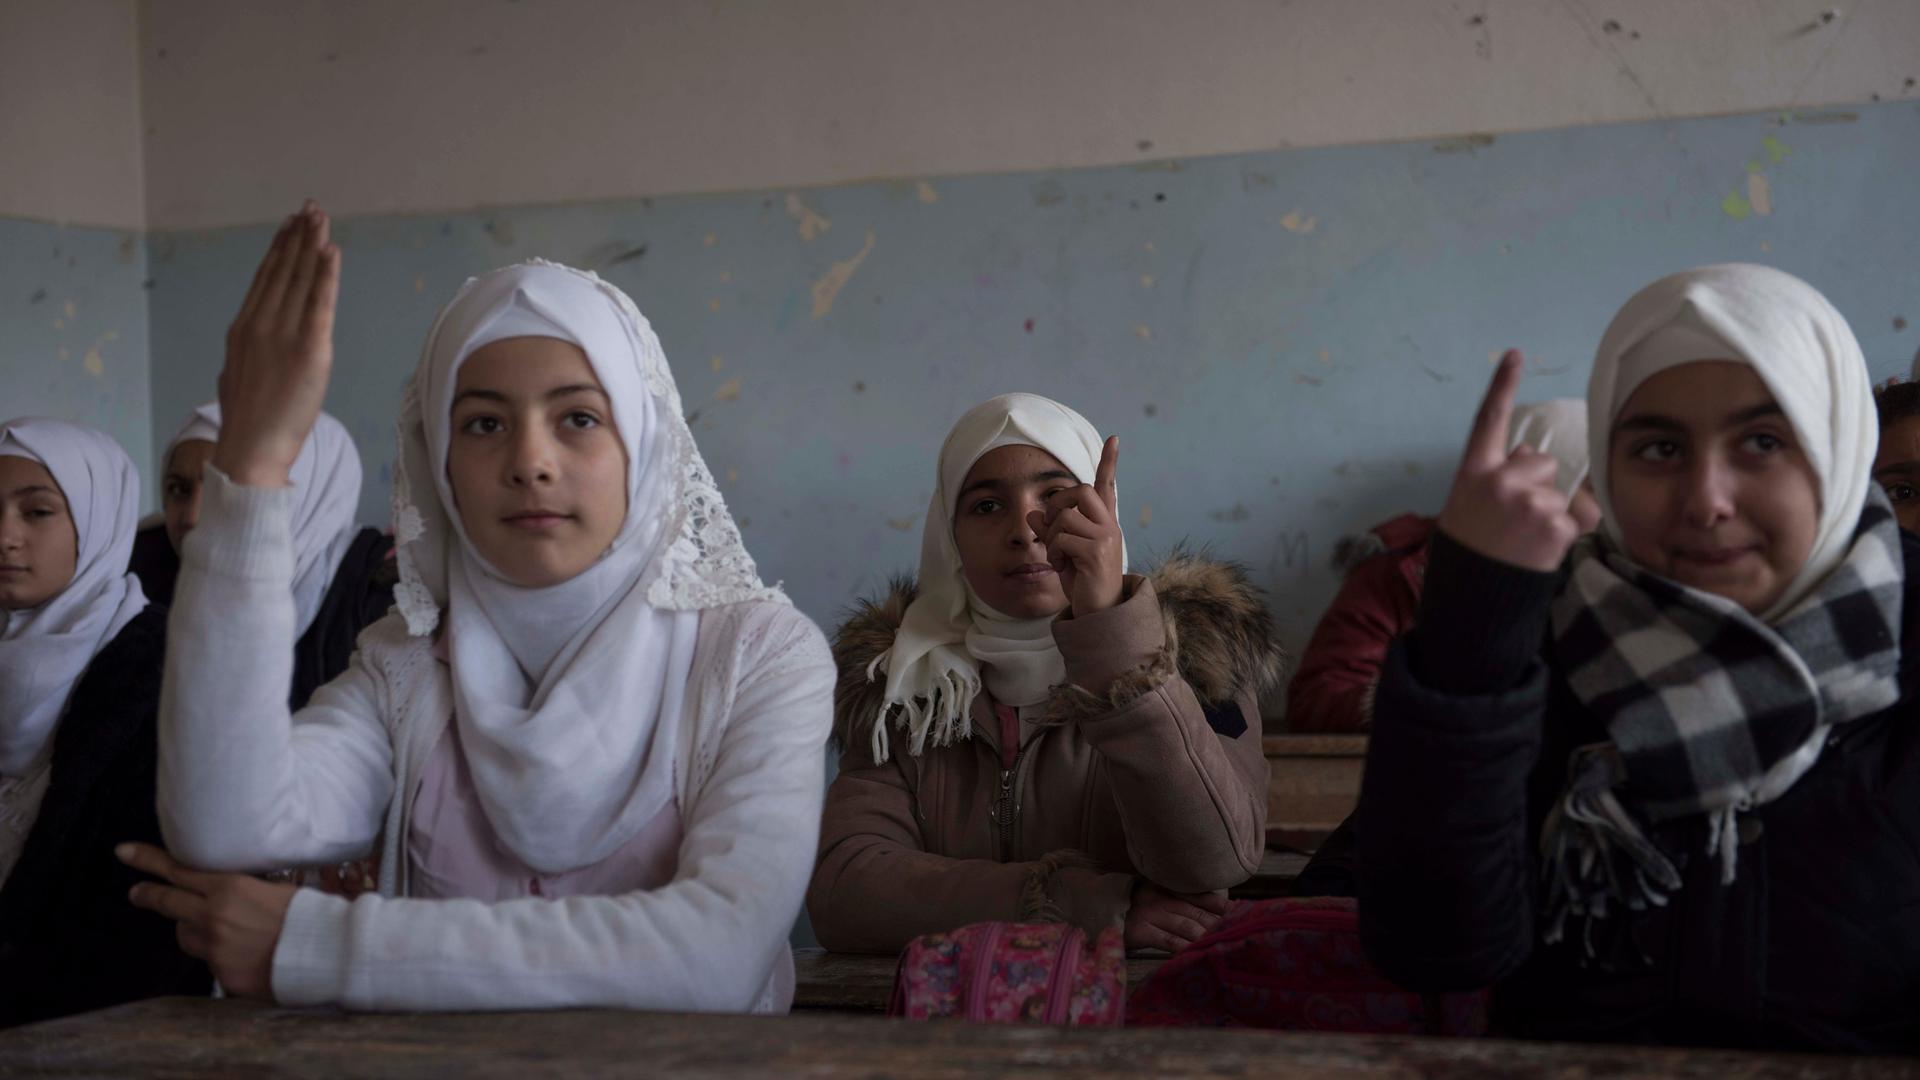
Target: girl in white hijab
80 657
637 732
1682 818
1069 739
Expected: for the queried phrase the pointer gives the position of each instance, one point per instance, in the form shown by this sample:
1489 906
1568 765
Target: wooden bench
194 1038
1313 784
853 982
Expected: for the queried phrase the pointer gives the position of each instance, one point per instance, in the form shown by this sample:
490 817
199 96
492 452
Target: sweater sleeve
1190 781
1446 878
244 784
707 941
877 887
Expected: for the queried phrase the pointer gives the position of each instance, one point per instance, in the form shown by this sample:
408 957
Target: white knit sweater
244 786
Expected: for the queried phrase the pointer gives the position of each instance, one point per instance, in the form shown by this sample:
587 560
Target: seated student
80 659
1332 690
1067 740
1897 464
1667 792
343 574
589 739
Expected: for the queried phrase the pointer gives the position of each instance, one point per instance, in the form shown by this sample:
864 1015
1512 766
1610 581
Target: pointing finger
1487 445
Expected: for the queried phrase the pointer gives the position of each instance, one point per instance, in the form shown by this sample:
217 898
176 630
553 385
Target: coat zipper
1006 811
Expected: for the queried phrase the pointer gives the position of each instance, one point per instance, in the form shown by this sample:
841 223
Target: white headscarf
948 634
569 697
45 650
1557 428
326 482
1799 346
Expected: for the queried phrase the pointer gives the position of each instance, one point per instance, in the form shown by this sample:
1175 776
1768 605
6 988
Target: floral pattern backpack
1020 973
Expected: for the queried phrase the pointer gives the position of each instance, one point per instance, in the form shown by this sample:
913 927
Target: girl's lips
1031 573
538 522
1715 557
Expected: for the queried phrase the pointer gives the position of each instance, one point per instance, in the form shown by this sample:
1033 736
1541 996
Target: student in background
1897 465
1332 690
343 574
1662 785
589 739
1029 731
80 661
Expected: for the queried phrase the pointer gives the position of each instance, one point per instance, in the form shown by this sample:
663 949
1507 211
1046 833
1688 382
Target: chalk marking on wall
729 390
827 289
1759 194
1296 222
925 192
812 223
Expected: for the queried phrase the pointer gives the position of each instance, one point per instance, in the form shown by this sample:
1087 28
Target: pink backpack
998 972
1294 964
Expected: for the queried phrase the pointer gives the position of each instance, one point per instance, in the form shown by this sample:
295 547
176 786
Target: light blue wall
73 330
1316 331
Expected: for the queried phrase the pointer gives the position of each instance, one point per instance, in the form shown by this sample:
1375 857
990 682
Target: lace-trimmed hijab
568 697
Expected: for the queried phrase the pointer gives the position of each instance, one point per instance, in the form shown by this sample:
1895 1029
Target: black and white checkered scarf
1709 710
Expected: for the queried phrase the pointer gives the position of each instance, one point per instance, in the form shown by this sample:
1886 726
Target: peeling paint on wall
925 192
1296 222
1759 194
827 289
812 223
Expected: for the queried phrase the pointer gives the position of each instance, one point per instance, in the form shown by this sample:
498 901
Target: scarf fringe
941 715
1596 852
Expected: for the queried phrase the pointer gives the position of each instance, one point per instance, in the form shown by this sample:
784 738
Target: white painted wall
432 105
70 112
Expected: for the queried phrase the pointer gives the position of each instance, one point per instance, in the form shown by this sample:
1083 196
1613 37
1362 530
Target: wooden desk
852 982
1313 784
187 1039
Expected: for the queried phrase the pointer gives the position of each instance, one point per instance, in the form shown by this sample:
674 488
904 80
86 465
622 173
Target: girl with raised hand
1663 785
1030 732
80 660
587 740
343 574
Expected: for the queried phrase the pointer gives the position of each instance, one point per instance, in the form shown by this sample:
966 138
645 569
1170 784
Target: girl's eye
1764 443
984 506
1657 450
582 421
482 425
1900 492
37 512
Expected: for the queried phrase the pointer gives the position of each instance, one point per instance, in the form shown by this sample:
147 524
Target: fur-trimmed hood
1220 637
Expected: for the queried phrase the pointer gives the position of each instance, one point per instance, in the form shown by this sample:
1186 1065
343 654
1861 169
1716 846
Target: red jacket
1332 692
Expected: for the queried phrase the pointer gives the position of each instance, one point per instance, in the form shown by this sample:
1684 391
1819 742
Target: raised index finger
1104 480
1487 445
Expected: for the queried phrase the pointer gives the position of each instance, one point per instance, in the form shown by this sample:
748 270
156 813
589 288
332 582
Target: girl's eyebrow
34 489
556 392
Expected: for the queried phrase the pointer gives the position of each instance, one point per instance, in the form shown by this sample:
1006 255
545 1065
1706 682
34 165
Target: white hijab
45 650
948 634
1799 346
569 697
1557 428
326 483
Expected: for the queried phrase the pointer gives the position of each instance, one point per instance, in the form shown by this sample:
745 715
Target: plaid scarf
1709 710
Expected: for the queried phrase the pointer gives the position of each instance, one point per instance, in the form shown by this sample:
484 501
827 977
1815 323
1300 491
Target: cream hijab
45 650
569 697
949 638
1799 346
326 486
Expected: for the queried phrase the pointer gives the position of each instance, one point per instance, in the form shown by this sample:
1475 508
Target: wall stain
827 289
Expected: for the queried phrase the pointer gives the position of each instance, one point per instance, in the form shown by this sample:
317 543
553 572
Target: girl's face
538 471
1897 468
39 546
1002 557
180 488
1710 485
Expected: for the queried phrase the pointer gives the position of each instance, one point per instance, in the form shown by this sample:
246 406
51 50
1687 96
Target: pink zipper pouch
1013 973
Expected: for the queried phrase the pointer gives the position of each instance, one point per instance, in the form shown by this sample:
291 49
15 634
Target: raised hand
279 354
1504 503
231 921
1081 529
1168 921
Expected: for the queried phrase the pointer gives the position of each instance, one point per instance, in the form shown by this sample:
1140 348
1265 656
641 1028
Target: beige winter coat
1147 764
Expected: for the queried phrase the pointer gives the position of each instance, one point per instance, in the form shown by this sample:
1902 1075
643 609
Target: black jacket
360 593
69 939
1816 944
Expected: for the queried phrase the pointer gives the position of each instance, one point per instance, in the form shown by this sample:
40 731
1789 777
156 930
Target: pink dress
452 851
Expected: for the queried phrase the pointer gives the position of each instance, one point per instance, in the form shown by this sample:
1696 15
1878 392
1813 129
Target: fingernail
123 852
